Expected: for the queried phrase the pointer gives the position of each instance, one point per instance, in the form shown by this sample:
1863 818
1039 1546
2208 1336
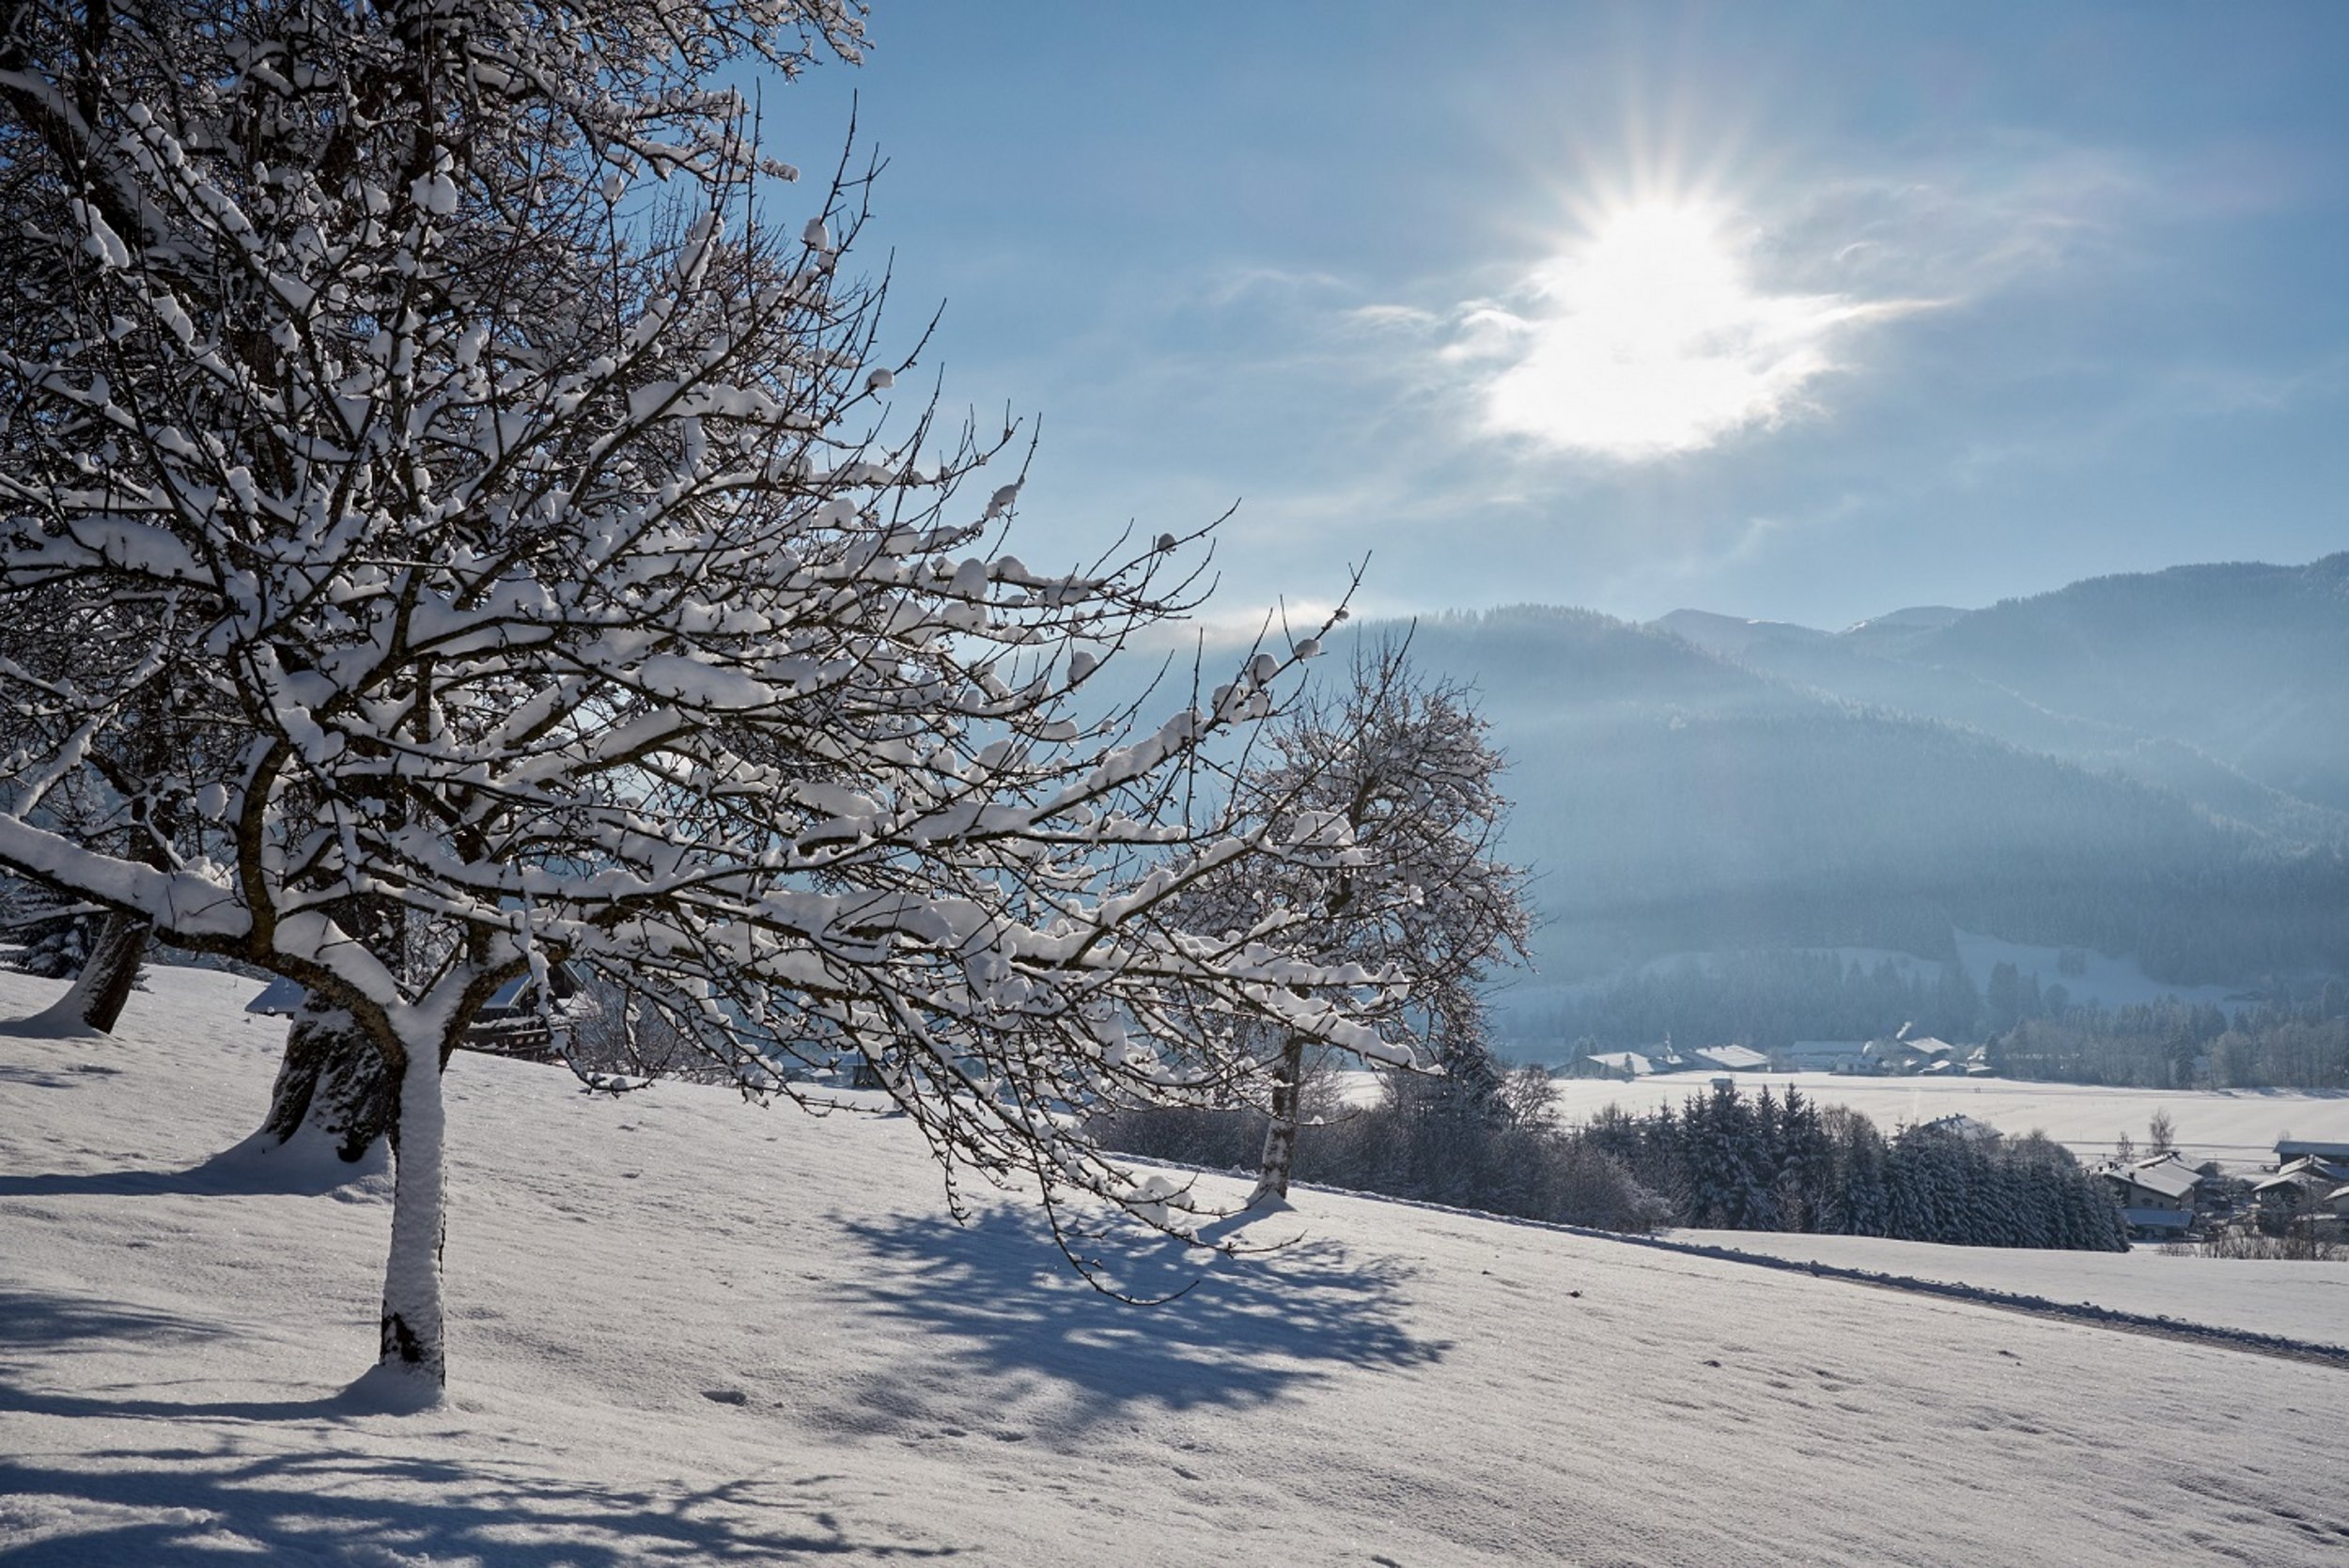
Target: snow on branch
447 527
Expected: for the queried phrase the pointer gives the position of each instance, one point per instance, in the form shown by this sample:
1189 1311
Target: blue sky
1804 311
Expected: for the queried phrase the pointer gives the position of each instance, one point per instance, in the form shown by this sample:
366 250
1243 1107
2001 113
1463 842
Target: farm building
1826 1056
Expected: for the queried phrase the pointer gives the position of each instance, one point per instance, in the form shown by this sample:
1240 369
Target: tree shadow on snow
235 1171
184 1509
35 1319
101 1183
1013 1320
174 1483
53 1077
54 1329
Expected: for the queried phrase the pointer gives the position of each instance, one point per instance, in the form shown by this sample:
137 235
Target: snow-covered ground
2294 1300
2238 1126
688 1331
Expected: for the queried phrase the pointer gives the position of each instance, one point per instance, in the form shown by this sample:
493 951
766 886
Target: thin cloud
1393 317
1234 284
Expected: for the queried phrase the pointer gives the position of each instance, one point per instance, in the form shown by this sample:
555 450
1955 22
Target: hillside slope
2243 659
690 1333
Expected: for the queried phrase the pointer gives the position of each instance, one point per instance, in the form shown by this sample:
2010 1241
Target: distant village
2302 1196
1897 1053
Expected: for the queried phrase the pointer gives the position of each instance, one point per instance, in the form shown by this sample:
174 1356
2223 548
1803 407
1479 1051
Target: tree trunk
1280 1140
105 984
414 1355
332 1085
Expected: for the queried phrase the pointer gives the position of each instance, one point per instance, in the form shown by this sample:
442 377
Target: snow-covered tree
1394 774
449 525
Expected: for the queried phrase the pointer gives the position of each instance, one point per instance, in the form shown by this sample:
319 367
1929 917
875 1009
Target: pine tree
1759 1164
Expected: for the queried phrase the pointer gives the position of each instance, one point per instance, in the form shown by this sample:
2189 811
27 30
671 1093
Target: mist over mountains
2228 684
2154 766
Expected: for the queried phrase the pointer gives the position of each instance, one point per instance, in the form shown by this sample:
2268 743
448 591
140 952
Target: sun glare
1648 336
1656 269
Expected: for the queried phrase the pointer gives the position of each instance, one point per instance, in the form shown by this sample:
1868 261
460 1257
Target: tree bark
332 1082
413 1347
1280 1140
105 984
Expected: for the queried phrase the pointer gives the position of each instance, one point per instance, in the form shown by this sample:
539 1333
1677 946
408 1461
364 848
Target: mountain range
2228 684
2153 764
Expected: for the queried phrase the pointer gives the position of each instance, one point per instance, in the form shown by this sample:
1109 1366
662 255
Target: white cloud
1651 338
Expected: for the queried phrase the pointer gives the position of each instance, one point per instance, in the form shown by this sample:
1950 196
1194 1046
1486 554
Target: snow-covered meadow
690 1332
2235 1126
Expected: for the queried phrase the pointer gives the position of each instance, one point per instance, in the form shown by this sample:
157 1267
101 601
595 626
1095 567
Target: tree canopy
451 524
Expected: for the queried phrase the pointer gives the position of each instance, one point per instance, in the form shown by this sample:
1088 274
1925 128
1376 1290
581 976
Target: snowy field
2296 1300
2238 1126
688 1331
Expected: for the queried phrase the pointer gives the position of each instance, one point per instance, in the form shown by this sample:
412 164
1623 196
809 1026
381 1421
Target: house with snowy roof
1667 1057
1736 1058
1612 1063
1963 1126
2307 1184
1826 1056
2202 1175
1900 1054
2156 1196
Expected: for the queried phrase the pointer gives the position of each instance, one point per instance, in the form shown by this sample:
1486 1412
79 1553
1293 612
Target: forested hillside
2246 661
1674 801
2223 683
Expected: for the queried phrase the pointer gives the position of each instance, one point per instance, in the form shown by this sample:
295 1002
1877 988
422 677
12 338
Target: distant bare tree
1393 780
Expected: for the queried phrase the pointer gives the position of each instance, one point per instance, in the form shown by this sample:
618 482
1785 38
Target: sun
1648 335
1659 270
